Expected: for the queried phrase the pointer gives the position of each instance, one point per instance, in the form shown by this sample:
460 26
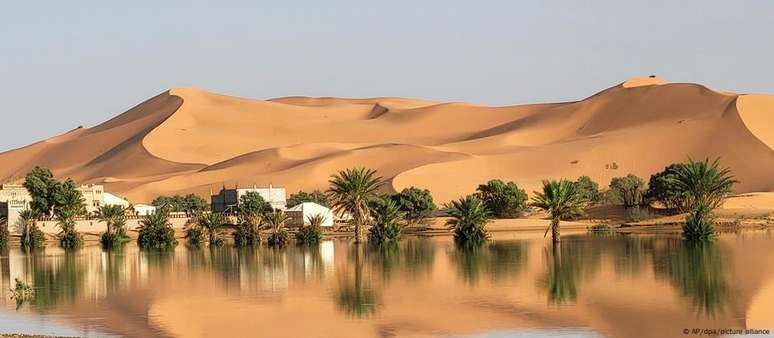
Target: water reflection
698 271
499 260
356 295
567 264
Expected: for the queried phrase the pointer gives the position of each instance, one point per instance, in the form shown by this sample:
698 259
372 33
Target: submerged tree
155 232
386 218
706 186
31 236
469 217
114 217
311 233
351 191
209 222
561 200
276 222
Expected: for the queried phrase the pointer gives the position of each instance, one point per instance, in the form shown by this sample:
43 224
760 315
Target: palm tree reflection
566 265
357 297
500 260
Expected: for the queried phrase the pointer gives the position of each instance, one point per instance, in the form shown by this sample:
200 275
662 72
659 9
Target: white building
309 209
144 209
110 199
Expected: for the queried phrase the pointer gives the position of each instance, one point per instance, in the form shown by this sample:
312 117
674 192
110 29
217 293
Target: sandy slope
189 140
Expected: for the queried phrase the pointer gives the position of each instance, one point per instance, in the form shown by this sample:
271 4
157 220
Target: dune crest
189 140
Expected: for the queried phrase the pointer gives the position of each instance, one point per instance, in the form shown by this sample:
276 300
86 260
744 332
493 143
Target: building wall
228 199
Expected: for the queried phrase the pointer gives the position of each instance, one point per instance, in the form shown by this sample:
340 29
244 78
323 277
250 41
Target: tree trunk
555 230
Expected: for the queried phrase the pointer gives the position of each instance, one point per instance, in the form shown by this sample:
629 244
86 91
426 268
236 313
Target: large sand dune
188 140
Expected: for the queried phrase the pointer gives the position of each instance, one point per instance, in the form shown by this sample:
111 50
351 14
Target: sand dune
188 140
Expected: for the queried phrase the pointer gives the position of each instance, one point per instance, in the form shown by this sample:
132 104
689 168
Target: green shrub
503 200
246 235
316 196
113 239
309 235
699 224
156 232
588 189
69 238
469 219
385 228
638 214
278 238
629 189
416 204
195 236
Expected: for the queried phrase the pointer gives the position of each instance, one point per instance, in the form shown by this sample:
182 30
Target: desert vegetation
469 217
561 200
351 191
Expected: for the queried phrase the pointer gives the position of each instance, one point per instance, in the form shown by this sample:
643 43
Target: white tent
110 199
309 209
144 209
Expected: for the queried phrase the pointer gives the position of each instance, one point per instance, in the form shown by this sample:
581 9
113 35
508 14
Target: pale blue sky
70 63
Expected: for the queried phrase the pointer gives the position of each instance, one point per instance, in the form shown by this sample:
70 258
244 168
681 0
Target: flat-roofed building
227 200
13 199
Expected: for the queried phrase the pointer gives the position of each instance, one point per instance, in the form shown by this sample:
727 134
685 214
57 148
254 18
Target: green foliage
113 239
663 189
503 200
417 204
588 189
638 214
68 200
351 191
699 224
210 222
276 222
31 236
190 204
316 196
561 200
628 189
22 292
385 228
69 238
195 235
40 183
704 183
155 232
252 203
246 235
312 233
469 219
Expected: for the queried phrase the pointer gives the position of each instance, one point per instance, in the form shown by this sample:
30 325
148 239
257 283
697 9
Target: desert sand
188 140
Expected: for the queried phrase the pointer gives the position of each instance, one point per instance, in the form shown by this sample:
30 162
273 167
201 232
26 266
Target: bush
190 204
628 189
663 188
156 232
588 189
309 235
386 228
245 235
69 238
699 224
469 219
278 238
503 200
637 214
252 203
195 236
316 196
113 239
416 204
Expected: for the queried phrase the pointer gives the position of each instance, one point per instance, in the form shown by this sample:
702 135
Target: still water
519 285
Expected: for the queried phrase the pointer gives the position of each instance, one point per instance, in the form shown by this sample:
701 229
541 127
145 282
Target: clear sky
70 63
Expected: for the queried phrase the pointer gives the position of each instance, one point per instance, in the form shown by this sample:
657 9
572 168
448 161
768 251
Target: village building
14 198
227 200
144 209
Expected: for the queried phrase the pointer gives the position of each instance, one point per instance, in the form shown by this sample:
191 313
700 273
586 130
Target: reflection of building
228 199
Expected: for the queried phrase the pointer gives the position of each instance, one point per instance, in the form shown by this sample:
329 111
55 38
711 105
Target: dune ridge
188 140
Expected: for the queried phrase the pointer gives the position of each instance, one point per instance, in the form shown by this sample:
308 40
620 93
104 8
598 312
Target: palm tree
211 221
560 199
114 217
386 216
705 183
311 234
156 232
28 219
350 192
276 221
469 219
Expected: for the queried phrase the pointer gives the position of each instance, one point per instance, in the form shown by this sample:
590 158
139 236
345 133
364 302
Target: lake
593 285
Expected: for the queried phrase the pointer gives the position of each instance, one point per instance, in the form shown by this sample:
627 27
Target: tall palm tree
113 215
705 183
350 192
27 219
211 221
560 199
469 219
386 215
